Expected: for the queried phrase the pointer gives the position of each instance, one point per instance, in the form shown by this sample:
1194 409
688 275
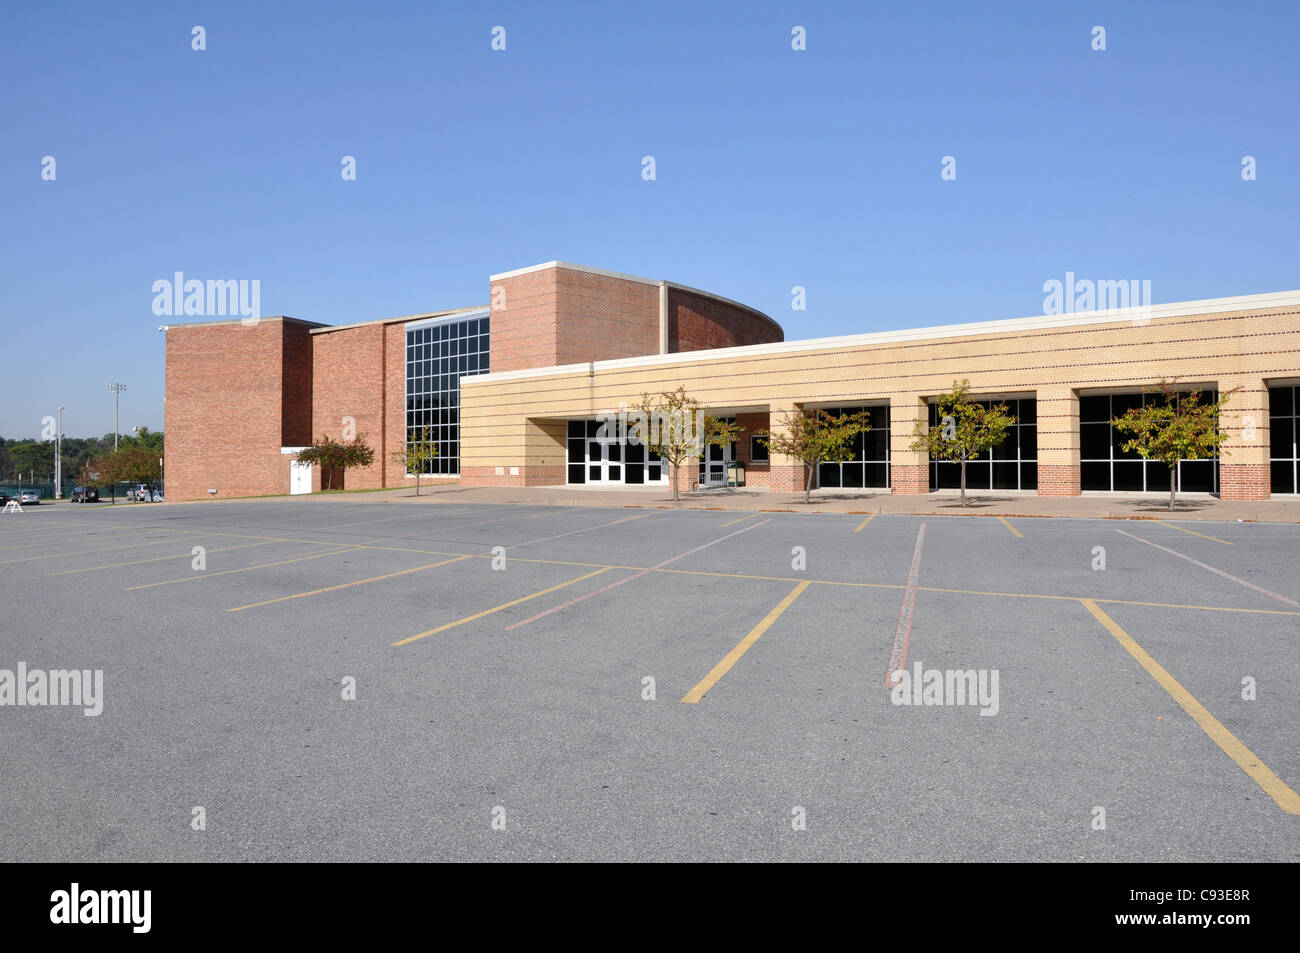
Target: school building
511 391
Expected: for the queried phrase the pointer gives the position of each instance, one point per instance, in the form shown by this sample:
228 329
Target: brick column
1243 465
909 470
785 474
1058 442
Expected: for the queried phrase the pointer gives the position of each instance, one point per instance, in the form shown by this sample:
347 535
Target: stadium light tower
117 390
58 458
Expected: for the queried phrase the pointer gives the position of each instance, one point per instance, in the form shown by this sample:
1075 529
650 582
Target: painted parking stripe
865 522
731 658
226 572
748 516
903 634
155 559
1014 532
101 549
349 585
1218 572
1246 759
1194 533
504 605
547 539
638 575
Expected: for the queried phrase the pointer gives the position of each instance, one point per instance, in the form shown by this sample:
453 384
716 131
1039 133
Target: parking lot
627 683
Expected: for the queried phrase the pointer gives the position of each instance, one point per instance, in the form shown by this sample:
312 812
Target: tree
417 453
145 438
674 425
132 465
815 437
1179 428
966 429
330 455
32 457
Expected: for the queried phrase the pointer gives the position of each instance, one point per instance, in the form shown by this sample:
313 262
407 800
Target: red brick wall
225 409
1244 481
295 369
697 322
1059 480
756 474
601 318
523 330
394 429
348 381
909 479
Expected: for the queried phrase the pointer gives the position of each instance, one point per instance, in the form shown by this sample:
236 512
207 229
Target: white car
28 496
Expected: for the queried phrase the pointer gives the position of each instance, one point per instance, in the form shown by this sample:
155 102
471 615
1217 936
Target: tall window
1284 433
869 465
438 355
1011 465
1105 466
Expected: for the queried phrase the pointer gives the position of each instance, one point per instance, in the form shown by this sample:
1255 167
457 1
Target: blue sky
775 168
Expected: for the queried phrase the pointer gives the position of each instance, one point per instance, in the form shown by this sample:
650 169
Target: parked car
140 493
28 496
84 494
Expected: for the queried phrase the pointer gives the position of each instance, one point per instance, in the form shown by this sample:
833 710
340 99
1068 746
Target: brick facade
1244 481
1058 480
234 392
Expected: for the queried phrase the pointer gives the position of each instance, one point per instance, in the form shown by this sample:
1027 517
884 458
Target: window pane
1095 476
1281 401
1283 476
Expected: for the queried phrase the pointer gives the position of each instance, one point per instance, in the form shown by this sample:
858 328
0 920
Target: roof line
1256 302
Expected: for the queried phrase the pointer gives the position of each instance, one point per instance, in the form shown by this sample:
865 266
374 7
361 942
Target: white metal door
299 477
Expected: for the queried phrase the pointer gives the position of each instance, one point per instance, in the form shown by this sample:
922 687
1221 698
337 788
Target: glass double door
713 465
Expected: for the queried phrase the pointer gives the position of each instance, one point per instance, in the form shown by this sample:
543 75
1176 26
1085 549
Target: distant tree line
32 459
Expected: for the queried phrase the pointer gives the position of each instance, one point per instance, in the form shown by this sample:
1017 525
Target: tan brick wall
1053 363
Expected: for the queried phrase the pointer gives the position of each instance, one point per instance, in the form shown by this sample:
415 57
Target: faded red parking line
637 575
903 634
1218 572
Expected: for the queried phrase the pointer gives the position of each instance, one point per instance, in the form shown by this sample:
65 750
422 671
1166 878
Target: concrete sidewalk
1192 506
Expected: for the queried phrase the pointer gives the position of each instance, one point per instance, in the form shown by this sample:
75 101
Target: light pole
116 389
58 458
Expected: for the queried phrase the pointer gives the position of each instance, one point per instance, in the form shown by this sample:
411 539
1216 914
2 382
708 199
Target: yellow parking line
348 585
730 659
1246 759
865 522
155 559
1015 532
1194 533
226 572
101 549
741 520
504 605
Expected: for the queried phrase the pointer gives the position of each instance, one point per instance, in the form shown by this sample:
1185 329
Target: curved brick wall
697 322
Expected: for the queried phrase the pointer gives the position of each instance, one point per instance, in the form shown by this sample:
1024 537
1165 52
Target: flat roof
326 328
238 320
1256 302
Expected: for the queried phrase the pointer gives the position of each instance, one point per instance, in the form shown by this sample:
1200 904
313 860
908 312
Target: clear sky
774 167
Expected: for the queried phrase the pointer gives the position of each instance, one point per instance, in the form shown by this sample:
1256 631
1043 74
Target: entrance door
604 462
713 465
299 477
